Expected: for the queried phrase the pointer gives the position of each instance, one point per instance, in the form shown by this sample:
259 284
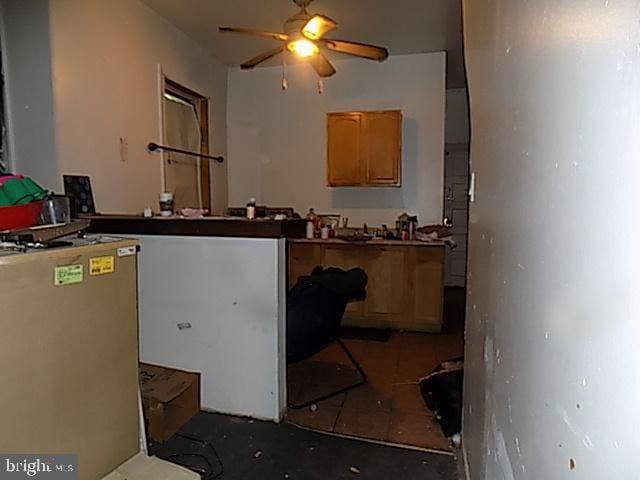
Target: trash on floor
142 467
170 398
442 392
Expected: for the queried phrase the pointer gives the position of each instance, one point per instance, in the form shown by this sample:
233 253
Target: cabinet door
382 147
428 289
344 156
386 271
346 257
303 258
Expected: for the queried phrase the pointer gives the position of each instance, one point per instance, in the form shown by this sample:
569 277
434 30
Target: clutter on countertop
166 204
432 233
21 201
251 209
194 212
263 212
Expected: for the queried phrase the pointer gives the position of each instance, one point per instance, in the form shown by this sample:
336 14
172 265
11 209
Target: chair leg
359 383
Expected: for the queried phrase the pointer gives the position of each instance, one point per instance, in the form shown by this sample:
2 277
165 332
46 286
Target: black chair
315 307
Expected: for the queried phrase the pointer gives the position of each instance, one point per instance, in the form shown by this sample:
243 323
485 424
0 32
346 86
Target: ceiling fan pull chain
285 84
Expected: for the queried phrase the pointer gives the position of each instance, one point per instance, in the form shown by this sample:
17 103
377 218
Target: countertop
201 227
373 243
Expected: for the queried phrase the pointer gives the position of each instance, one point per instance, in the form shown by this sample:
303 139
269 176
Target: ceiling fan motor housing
294 24
303 3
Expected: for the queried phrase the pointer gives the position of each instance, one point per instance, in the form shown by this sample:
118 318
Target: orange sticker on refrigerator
101 265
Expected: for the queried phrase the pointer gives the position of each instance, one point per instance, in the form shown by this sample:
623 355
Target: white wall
236 325
552 337
457 116
26 57
277 139
104 62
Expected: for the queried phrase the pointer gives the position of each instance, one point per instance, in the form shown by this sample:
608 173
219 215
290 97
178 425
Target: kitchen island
212 299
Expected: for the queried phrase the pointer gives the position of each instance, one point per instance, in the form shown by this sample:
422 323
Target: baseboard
463 463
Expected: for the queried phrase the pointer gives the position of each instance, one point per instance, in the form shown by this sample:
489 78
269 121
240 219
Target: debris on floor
293 453
442 392
389 407
142 467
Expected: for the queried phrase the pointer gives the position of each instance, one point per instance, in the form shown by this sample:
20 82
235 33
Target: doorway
186 126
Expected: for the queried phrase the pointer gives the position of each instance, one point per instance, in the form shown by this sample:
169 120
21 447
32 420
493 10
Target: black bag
315 306
442 392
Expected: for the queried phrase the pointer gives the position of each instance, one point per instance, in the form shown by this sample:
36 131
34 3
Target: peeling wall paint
552 360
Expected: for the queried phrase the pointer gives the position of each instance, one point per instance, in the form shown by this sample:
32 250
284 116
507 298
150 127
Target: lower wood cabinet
405 289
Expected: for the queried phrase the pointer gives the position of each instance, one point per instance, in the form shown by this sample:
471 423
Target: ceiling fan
304 35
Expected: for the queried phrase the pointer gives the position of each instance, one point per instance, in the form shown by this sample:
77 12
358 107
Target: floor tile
368 397
411 372
365 423
418 430
323 418
333 354
389 406
307 392
407 399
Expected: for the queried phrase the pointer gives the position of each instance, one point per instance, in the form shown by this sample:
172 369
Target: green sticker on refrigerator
68 275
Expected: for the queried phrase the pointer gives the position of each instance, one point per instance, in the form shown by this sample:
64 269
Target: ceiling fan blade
256 33
261 58
357 49
318 26
321 65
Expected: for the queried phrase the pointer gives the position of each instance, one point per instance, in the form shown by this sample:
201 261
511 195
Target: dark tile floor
266 451
389 406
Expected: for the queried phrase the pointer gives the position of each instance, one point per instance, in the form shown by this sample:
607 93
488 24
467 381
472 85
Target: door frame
201 104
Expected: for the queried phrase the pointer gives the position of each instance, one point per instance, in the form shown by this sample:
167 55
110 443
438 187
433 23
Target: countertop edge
196 227
373 243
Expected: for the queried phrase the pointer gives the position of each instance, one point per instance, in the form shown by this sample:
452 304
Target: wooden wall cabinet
364 149
406 282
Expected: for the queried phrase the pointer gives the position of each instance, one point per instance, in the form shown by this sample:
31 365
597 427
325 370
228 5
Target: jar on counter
166 204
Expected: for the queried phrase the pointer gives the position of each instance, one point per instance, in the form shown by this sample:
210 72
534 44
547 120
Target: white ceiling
403 26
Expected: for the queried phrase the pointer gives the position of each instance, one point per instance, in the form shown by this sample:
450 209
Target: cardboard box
170 398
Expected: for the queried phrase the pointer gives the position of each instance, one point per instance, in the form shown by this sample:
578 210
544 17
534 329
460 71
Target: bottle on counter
314 220
251 209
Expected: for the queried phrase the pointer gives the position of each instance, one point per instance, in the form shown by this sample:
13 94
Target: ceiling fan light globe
317 26
303 48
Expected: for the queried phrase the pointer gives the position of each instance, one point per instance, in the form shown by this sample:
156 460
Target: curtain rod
152 147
